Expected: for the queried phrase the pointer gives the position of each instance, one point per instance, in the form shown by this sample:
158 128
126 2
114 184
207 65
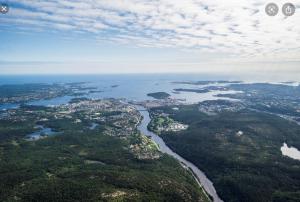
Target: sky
142 36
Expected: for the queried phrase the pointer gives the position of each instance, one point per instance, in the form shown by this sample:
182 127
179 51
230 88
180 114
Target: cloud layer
239 28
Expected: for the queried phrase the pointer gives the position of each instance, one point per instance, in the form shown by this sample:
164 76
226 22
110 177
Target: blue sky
140 36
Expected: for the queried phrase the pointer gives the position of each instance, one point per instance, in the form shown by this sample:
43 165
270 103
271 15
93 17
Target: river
198 174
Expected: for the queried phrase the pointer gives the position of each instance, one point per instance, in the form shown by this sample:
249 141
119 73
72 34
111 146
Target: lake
43 132
291 152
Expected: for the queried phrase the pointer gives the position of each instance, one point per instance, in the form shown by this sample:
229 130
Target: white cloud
237 27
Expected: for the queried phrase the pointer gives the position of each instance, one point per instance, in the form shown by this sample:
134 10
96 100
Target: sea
133 87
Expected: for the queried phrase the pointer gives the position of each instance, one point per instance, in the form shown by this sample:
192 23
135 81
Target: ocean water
131 86
108 78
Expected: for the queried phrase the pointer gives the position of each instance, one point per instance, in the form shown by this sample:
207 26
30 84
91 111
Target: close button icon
4 8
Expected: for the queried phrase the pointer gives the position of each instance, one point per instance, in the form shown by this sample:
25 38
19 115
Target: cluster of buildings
171 127
214 107
161 122
119 118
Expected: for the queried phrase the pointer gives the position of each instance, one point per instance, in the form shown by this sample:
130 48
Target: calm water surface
291 152
43 132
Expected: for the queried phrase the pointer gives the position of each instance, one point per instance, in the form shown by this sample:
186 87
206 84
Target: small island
159 95
191 90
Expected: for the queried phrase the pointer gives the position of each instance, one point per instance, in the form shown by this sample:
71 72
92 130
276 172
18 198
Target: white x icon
4 9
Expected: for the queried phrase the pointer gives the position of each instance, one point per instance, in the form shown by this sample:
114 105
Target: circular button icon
4 8
271 9
288 9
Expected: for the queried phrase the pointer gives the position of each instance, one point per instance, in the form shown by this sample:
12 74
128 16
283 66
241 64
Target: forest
83 164
239 152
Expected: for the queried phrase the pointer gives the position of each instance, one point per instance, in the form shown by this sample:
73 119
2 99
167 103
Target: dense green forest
240 152
80 164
